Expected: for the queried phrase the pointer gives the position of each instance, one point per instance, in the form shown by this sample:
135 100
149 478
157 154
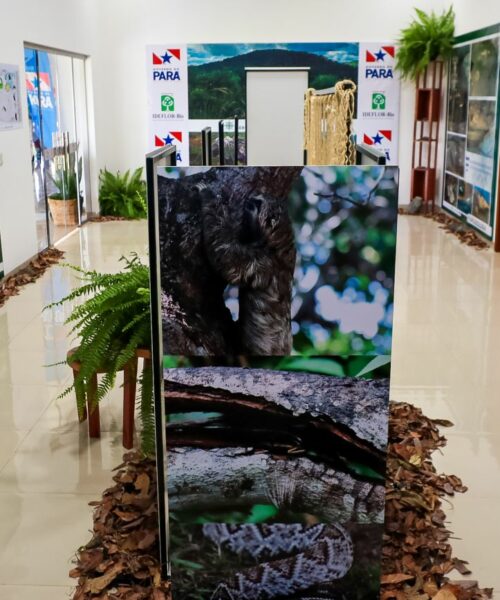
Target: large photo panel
277 260
276 470
275 297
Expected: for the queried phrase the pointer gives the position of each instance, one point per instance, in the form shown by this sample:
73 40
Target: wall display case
273 292
472 130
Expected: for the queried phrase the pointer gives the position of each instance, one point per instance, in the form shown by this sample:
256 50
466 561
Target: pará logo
378 101
166 58
167 103
378 73
166 76
172 137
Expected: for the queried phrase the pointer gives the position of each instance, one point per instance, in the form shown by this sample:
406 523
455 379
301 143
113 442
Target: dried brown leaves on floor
459 229
35 269
417 556
120 562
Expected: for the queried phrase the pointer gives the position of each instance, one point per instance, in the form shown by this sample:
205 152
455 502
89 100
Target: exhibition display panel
472 130
273 289
185 97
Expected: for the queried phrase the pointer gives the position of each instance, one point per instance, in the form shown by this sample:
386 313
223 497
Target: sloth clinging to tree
227 227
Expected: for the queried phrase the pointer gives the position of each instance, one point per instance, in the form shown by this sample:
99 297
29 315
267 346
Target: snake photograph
275 482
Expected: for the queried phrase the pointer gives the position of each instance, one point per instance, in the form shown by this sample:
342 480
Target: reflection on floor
445 348
57 232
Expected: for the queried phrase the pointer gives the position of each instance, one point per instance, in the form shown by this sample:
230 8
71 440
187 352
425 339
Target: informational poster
471 155
10 99
196 86
273 339
377 123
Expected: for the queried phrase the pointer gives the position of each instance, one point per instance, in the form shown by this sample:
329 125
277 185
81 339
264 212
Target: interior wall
64 25
114 34
120 79
472 15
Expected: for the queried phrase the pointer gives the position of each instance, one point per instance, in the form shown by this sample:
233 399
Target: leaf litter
120 562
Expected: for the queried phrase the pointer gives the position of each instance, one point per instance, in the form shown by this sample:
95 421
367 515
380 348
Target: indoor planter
63 204
427 38
122 195
112 324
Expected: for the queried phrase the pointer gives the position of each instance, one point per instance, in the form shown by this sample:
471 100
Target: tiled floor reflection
49 469
446 353
446 349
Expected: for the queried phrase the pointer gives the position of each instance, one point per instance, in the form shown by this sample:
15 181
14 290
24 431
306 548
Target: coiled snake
315 554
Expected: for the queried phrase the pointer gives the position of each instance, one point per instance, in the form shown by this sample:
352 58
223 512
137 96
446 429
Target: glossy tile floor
446 347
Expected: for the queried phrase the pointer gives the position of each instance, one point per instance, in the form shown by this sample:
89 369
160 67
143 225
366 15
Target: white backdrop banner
168 98
377 124
218 72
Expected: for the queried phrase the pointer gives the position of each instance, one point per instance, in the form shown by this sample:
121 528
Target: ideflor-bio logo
167 103
166 57
379 101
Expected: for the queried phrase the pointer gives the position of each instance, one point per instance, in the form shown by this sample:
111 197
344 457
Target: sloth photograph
455 154
459 90
277 260
275 476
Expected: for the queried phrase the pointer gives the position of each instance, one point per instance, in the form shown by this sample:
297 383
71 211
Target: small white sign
10 100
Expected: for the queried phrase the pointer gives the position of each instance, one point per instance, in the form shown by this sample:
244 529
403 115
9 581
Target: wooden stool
129 394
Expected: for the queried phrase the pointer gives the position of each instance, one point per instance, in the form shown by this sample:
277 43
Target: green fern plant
112 323
122 195
428 37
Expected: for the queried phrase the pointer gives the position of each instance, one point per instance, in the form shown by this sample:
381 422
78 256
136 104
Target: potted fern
427 38
112 323
122 195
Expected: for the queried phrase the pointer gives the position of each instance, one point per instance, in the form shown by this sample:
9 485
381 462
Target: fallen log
351 412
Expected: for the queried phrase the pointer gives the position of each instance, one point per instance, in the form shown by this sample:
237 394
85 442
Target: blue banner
40 89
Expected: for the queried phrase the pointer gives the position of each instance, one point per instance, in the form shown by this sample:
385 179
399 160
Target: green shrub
428 37
122 195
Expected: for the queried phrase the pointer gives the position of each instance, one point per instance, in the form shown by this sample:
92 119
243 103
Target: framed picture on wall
472 130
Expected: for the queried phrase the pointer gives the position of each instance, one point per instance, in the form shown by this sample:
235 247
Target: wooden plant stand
428 94
129 395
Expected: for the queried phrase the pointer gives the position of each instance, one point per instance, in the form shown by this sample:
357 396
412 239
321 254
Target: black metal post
206 143
222 160
236 139
162 157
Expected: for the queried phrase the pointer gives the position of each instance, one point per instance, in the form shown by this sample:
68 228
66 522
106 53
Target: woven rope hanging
327 125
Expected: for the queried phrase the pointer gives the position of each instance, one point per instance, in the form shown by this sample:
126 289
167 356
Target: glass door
57 108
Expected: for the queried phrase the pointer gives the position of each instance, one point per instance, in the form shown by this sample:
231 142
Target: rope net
327 125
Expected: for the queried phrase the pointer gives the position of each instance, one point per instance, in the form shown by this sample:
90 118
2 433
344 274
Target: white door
275 116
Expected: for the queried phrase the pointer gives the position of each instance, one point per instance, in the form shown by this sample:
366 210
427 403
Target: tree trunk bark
219 227
232 478
304 442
